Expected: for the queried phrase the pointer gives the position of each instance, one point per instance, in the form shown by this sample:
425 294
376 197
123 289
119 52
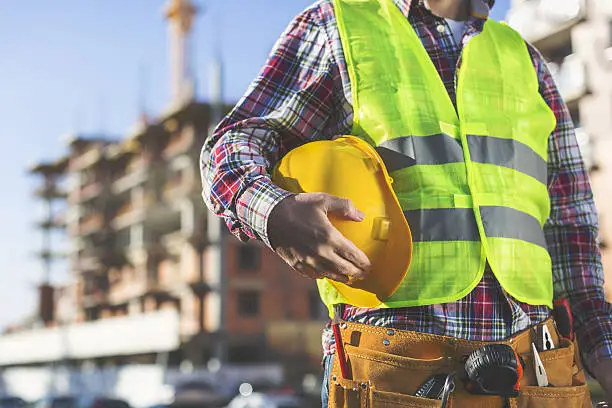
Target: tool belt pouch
380 380
567 383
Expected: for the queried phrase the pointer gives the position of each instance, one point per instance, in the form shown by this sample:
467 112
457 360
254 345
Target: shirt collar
480 8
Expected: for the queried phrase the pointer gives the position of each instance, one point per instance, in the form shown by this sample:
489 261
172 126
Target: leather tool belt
387 366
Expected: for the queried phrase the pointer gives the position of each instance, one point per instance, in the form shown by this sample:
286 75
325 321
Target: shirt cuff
595 340
598 355
256 204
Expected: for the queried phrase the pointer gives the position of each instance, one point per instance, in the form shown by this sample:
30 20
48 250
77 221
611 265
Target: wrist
275 220
255 204
602 371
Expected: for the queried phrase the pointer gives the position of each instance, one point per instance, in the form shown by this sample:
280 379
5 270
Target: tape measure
494 369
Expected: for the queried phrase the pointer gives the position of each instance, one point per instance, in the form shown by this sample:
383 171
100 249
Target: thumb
342 207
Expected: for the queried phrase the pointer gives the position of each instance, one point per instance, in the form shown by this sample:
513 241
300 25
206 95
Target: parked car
71 401
266 395
11 402
197 393
260 400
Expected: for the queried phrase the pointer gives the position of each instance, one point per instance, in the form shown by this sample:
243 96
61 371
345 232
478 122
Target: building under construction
575 36
156 278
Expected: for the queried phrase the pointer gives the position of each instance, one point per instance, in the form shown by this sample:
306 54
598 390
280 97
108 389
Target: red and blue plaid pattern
303 94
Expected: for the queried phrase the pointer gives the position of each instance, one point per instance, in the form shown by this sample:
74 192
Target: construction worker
490 180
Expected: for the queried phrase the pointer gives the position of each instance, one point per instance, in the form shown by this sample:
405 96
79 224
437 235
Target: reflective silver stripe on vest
442 224
508 153
459 224
407 151
507 222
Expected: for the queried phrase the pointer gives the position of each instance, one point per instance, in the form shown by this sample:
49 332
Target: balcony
179 143
102 255
58 221
87 264
85 160
163 291
162 216
93 257
47 255
94 298
137 162
169 271
173 240
50 191
90 191
88 260
153 285
171 280
174 188
547 23
570 77
91 224
127 290
129 180
127 214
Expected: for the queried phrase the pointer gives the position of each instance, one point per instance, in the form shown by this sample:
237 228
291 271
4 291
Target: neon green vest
472 182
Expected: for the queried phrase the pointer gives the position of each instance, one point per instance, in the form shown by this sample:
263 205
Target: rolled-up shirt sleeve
294 100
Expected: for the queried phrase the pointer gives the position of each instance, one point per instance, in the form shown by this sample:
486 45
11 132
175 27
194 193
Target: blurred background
119 287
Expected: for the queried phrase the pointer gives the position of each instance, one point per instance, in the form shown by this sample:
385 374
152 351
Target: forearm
296 98
235 180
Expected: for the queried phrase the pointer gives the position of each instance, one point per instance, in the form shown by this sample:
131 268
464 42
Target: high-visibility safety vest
472 182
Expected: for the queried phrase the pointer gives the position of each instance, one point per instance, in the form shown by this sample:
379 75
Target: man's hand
603 373
302 235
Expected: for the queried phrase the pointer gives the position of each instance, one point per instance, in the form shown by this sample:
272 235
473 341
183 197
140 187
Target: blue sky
74 65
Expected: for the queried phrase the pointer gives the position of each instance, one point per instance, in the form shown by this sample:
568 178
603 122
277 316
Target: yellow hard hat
349 167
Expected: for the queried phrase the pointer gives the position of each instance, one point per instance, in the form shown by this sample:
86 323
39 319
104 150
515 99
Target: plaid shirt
303 94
